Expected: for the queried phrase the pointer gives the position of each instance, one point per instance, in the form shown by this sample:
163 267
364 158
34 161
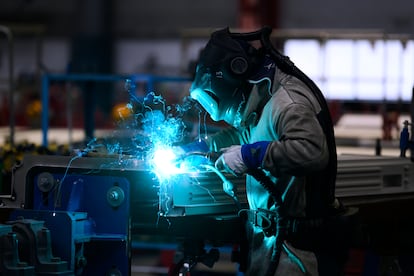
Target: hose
280 218
228 186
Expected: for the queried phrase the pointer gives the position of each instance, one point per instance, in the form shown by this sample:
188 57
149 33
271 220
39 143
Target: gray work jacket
284 113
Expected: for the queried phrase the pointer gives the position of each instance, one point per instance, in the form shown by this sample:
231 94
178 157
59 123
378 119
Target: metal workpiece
202 194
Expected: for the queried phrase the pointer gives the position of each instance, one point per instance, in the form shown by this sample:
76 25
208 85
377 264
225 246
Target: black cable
280 217
325 120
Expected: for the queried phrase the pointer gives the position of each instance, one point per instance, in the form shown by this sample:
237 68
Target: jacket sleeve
301 147
225 138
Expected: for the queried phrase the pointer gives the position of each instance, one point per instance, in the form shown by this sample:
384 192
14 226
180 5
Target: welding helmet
220 82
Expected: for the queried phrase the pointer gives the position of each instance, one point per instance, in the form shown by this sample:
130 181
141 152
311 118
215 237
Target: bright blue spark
164 163
150 136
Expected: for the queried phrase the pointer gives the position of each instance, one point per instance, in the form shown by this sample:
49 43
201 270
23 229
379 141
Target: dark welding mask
221 83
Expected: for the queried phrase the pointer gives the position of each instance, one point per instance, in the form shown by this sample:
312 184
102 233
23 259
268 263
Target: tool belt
303 233
266 220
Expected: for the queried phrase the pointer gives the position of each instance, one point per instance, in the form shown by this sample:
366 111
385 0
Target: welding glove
237 160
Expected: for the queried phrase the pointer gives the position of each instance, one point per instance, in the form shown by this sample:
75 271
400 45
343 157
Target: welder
281 137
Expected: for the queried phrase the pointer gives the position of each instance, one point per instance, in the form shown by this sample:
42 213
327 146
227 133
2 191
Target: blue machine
94 207
86 209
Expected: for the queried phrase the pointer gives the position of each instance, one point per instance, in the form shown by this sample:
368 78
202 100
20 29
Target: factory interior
77 196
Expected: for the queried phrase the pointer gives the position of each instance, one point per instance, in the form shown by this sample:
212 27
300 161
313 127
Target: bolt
114 196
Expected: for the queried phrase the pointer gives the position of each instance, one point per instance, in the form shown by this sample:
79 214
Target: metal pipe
45 108
9 35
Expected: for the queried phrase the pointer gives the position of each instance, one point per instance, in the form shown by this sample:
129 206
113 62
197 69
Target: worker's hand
231 161
237 160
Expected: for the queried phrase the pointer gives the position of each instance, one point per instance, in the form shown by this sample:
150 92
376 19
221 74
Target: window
357 69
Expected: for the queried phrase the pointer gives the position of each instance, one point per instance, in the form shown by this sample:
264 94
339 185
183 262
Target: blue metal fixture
86 210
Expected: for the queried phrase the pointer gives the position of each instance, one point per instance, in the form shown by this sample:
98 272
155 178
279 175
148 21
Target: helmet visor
221 99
